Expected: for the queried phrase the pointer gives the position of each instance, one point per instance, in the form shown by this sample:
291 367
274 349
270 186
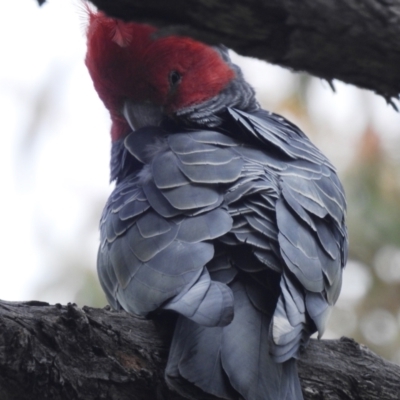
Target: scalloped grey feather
242 232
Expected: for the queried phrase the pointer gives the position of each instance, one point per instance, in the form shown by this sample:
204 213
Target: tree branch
356 42
64 352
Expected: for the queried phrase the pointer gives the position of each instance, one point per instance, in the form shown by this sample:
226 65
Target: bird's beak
139 115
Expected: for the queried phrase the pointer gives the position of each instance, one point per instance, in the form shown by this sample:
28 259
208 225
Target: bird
223 213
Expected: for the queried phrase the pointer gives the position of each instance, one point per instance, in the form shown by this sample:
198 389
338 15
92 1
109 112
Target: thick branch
64 352
354 41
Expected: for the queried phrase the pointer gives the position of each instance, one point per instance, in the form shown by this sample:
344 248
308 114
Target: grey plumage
241 231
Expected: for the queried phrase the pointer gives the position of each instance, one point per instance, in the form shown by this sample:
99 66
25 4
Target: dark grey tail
233 361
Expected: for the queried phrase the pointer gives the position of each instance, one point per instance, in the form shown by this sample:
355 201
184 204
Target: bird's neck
122 163
238 94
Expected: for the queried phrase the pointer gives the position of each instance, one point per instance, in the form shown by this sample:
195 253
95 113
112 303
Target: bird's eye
174 78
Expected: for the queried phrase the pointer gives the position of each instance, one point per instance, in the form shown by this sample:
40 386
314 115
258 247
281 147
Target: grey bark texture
65 352
350 40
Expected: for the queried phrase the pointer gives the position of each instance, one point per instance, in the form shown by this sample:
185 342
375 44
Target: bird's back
241 231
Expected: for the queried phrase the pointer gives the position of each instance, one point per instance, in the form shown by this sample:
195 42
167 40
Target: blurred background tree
54 168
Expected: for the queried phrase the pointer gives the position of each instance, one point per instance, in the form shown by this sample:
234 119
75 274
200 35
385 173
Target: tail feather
195 355
233 360
246 355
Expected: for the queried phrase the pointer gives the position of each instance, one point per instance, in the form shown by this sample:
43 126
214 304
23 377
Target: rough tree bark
351 40
66 353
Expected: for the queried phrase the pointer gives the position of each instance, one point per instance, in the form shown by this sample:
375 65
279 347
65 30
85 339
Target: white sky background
55 178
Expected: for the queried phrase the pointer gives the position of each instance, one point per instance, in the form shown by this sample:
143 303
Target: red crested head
128 62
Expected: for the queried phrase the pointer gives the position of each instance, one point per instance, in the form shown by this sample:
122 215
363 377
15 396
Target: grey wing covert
158 225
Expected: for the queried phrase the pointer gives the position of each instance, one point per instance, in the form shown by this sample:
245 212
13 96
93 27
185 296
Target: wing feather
248 225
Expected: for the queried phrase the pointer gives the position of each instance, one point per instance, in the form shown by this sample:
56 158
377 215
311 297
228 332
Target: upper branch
64 352
354 41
